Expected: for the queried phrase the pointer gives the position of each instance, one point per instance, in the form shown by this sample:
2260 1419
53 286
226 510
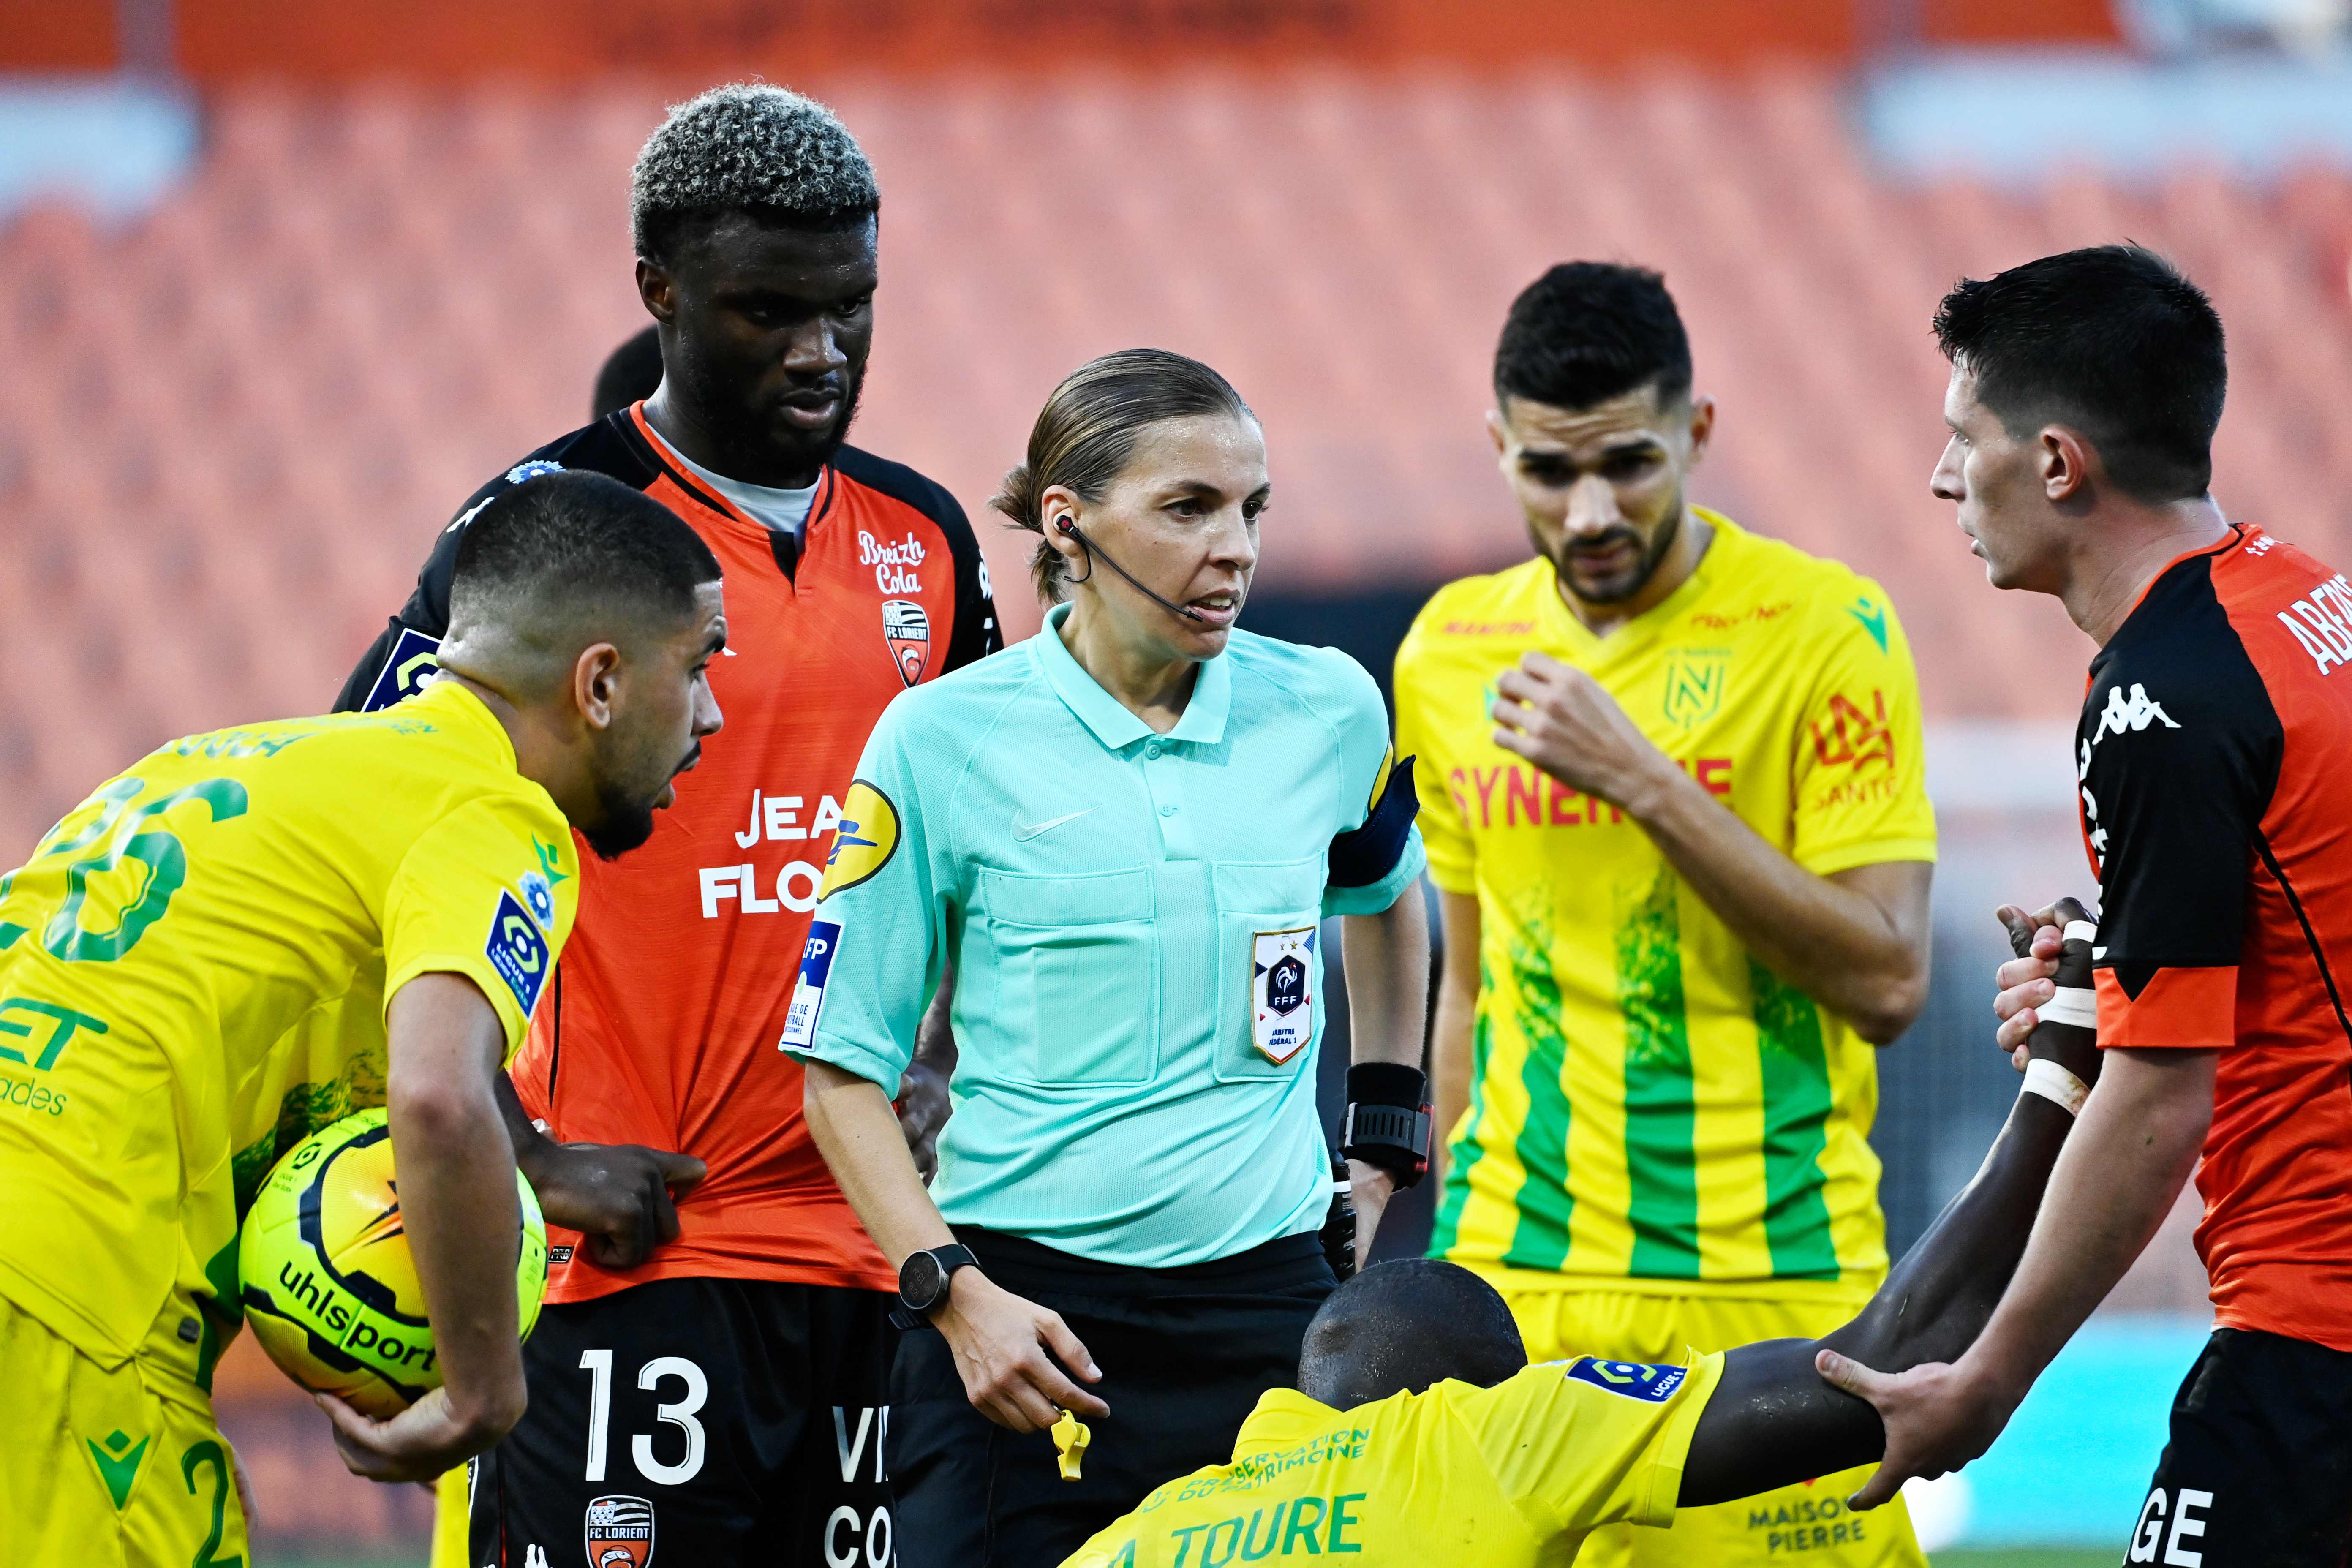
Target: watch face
919 1279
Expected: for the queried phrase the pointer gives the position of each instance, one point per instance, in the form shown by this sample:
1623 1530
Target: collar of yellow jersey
1284 1417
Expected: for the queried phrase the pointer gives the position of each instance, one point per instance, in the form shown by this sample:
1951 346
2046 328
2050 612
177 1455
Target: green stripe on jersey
1540 1240
1661 1162
1796 1122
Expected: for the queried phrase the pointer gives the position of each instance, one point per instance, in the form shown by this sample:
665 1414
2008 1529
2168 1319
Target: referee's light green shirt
1133 920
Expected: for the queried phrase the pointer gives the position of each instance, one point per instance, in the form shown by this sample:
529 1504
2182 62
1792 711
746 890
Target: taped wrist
1387 1122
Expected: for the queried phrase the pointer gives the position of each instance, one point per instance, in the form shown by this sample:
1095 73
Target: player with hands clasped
1128 831
2084 392
327 915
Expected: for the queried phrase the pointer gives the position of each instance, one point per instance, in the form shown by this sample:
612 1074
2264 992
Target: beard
627 823
1617 590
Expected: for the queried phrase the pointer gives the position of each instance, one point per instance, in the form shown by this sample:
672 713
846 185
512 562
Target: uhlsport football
329 1285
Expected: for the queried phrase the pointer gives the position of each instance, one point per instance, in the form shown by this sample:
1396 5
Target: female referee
1124 834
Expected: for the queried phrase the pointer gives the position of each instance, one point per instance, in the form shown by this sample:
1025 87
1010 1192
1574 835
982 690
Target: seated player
253 933
1418 1435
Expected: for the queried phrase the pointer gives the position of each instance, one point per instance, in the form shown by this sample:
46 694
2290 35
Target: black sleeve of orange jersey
427 609
2178 751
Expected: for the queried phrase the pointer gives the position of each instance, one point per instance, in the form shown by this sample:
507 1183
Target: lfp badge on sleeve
1282 995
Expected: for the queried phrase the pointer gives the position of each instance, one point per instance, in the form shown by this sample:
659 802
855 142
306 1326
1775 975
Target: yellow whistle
1070 1440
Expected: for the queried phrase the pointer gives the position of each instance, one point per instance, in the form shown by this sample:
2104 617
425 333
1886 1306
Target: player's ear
1702 428
2065 459
658 289
1057 503
1498 432
596 684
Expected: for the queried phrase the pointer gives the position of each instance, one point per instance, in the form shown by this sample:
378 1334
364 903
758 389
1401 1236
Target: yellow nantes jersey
193 968
1469 1477
1649 1103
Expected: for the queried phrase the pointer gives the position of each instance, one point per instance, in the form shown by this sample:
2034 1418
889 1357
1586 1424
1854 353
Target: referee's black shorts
1184 1353
2258 1470
711 1422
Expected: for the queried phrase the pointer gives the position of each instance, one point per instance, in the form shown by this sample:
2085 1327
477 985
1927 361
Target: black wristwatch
923 1277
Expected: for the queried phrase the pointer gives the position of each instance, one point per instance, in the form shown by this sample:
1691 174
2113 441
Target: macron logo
2134 713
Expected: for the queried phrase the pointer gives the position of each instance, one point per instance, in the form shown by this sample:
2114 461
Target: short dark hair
751 148
2112 341
1399 1327
578 544
1088 429
632 374
1587 331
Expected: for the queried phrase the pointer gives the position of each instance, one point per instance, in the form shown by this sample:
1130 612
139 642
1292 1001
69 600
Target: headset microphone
1069 525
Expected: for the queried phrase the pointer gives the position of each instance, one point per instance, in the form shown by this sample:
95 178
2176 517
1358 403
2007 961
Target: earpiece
1066 523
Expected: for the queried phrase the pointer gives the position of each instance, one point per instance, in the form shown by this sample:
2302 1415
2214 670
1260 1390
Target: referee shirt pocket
1270 899
1078 976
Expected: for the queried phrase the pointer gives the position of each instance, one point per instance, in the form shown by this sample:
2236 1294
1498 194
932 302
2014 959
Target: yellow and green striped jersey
1648 1102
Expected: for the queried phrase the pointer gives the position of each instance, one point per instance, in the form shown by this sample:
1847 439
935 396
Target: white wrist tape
2056 1085
2080 931
2075 1005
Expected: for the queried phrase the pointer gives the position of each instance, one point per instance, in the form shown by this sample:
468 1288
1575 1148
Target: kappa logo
620 1532
2133 713
908 629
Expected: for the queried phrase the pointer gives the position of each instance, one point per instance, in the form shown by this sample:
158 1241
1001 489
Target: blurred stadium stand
237 403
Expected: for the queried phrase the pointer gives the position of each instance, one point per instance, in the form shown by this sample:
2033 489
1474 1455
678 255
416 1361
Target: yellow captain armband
1070 1440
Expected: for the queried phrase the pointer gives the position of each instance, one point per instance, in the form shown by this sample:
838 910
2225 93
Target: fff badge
1282 993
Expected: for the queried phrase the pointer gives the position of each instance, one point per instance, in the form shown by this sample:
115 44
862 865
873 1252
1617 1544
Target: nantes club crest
620 1532
909 632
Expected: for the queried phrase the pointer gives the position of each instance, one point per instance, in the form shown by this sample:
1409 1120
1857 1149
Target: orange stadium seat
230 430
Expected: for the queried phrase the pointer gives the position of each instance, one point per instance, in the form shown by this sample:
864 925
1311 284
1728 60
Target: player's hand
923 1108
417 1445
1369 1191
618 1195
2024 982
1565 723
1000 1343
1938 1417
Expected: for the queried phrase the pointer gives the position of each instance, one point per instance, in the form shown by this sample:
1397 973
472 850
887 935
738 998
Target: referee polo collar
1110 720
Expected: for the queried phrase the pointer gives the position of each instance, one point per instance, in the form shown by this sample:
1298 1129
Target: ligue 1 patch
863 841
518 951
908 629
414 656
1282 991
808 993
539 897
620 1532
1631 1379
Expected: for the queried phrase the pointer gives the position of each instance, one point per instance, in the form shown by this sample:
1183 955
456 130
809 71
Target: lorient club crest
909 632
620 1532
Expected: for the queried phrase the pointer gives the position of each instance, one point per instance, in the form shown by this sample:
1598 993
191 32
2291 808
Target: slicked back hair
1587 331
2112 341
574 550
1399 1327
746 147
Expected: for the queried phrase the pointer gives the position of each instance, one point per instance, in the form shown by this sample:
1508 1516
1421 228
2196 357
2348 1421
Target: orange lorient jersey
661 1025
2211 754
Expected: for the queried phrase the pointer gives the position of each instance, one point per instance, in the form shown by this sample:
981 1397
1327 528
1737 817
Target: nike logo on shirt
1024 831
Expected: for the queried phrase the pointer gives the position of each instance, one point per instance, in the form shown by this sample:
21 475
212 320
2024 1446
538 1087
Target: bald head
562 562
1398 1328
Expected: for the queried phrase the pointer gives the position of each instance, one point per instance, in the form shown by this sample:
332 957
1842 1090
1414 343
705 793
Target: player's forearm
1846 949
1388 981
2138 1141
1451 1033
457 1201
858 1134
1772 1420
935 1042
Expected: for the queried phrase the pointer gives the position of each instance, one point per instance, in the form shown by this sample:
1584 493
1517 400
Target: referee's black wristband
1387 1122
